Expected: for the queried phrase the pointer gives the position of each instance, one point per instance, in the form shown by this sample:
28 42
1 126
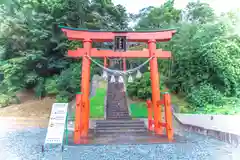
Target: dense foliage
206 50
33 49
141 87
206 66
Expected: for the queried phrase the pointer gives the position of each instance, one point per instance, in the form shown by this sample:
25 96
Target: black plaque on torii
120 43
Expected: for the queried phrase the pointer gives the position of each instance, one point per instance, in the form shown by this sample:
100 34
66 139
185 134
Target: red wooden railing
166 101
150 120
78 116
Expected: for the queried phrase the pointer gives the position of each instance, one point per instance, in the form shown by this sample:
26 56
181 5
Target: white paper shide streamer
139 74
130 79
112 79
105 75
107 71
120 79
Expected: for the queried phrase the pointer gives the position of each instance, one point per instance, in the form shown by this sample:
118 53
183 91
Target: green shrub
4 100
141 87
39 88
62 97
51 85
205 94
30 79
70 80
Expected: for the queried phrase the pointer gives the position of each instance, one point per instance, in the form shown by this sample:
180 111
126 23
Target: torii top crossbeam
109 36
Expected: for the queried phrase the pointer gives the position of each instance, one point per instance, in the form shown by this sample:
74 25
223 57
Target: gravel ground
25 144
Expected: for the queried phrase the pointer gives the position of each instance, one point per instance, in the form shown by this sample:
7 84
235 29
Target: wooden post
78 121
105 62
155 86
168 116
149 106
85 86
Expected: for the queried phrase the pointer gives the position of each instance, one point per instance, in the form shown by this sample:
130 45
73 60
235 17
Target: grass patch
97 103
139 109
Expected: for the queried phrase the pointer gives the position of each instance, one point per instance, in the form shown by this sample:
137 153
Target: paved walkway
223 123
26 144
22 122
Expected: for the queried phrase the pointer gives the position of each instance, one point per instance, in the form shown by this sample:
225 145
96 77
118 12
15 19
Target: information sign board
56 126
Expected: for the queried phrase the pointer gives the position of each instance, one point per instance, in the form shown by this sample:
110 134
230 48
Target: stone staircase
117 107
118 121
120 127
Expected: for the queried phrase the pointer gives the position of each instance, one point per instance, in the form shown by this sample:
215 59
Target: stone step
118 114
112 131
121 112
123 127
119 118
115 122
116 106
124 137
112 107
117 110
121 122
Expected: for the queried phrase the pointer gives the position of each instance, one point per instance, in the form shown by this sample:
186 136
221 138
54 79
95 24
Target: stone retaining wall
230 138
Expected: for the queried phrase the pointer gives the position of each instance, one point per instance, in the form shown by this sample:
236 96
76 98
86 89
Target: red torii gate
150 37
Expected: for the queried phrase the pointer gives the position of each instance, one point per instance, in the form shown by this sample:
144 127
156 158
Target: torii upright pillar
155 86
105 62
85 87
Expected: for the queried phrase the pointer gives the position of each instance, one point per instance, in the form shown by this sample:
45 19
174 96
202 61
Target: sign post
56 126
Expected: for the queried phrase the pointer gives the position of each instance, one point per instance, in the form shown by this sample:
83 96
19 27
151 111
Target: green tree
161 17
199 13
205 53
33 49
